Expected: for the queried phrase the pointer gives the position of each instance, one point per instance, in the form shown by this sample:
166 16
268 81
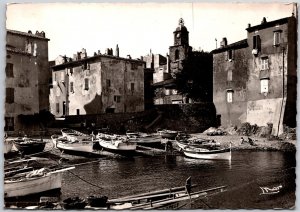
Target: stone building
27 80
255 79
181 56
102 83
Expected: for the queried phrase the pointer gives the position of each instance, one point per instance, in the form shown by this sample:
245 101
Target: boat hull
224 154
76 146
32 185
30 148
120 147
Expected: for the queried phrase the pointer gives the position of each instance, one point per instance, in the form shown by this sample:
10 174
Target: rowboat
74 135
63 143
144 139
198 142
116 143
163 199
28 145
169 134
202 153
33 182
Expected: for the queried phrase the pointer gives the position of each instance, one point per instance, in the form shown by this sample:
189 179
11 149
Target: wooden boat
74 135
198 142
202 153
116 143
28 145
160 199
71 144
169 134
144 139
32 182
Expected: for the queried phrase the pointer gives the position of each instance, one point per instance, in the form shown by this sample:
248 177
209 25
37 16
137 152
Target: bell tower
180 50
181 34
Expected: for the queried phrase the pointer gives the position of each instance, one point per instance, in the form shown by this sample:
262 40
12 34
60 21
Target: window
57 91
9 124
9 70
34 49
277 37
64 108
72 87
229 96
55 77
108 83
256 42
230 54
132 86
264 63
57 107
62 76
264 86
10 95
229 75
117 99
134 66
176 54
86 84
77 111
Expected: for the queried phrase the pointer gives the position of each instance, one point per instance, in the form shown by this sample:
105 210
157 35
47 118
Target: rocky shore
262 144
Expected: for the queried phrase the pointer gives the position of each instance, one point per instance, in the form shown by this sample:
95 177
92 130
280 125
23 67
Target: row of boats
72 141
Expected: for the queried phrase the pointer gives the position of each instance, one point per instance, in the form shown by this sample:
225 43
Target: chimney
29 32
117 51
111 52
107 51
249 25
168 63
223 43
128 56
83 53
264 20
99 52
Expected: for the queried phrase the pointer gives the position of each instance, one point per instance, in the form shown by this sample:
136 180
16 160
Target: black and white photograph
150 105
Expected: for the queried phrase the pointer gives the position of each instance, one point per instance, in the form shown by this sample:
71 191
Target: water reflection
243 175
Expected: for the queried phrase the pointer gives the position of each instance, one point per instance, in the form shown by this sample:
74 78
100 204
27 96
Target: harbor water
243 176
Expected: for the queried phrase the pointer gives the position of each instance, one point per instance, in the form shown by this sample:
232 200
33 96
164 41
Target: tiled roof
236 45
79 61
268 24
26 34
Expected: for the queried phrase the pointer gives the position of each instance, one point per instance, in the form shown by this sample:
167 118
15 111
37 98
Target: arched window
176 54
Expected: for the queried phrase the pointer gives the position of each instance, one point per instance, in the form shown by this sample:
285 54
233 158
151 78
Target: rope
85 180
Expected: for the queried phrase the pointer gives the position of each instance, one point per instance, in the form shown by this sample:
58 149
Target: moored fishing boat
29 145
144 139
170 198
72 135
169 134
116 143
84 145
32 182
198 142
202 153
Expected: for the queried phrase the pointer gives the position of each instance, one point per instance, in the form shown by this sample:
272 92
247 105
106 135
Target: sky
138 28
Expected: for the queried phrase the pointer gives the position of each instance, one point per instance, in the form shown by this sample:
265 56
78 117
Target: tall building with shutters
102 83
27 81
255 79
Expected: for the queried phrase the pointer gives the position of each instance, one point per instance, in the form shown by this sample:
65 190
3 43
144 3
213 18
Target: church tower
180 50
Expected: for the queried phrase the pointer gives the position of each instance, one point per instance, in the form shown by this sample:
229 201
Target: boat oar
62 170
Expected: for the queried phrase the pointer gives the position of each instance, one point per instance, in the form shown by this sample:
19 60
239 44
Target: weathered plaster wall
113 84
232 113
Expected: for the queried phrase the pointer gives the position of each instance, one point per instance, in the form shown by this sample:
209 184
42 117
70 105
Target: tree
196 78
